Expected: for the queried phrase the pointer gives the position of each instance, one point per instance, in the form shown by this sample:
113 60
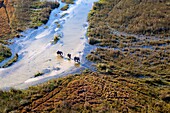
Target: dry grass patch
91 92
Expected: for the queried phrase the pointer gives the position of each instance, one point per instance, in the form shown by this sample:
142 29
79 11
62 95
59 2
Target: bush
10 62
65 8
93 58
5 52
93 41
56 39
38 74
68 1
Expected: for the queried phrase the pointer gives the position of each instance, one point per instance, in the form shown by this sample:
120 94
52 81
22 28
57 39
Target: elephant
60 53
77 59
69 55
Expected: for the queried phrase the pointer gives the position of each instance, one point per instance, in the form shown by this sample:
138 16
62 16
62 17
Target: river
37 53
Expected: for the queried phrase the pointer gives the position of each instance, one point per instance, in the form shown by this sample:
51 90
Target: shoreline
26 22
39 37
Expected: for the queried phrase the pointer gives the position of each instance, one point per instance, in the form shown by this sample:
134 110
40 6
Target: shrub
93 41
56 39
38 74
65 8
93 57
68 1
10 62
5 52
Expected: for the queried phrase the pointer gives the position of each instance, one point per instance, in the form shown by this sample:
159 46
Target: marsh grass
10 62
129 55
93 41
37 14
88 91
68 1
136 17
131 78
26 14
145 59
63 15
56 39
133 62
4 52
64 8
38 74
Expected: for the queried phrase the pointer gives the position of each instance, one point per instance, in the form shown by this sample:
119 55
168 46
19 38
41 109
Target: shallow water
38 54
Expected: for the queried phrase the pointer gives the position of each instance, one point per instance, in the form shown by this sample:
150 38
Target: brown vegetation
133 72
10 62
4 25
148 17
125 54
4 52
64 8
22 14
68 1
90 92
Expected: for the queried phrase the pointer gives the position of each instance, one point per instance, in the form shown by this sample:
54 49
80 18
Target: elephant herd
76 59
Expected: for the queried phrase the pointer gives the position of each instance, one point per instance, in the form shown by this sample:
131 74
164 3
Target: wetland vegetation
126 53
23 14
10 62
64 8
4 52
31 13
38 74
90 92
133 71
68 1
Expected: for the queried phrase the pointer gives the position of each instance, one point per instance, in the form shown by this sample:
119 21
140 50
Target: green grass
37 14
56 39
10 62
89 92
138 17
10 100
68 1
63 15
28 14
128 55
58 24
129 76
38 74
64 8
4 52
93 41
146 60
133 62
